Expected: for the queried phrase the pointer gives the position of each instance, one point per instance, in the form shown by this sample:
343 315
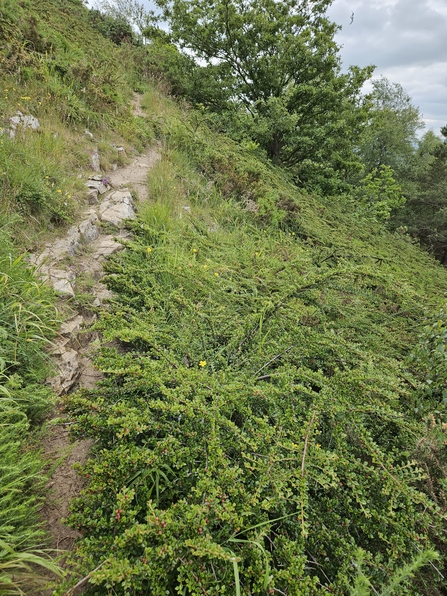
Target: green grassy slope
58 69
260 428
259 425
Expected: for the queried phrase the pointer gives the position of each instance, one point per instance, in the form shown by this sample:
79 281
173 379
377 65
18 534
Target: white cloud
405 39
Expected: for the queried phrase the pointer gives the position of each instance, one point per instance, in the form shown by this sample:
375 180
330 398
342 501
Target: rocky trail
71 264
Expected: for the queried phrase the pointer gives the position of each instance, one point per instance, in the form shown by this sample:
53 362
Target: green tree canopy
130 11
425 213
390 138
279 64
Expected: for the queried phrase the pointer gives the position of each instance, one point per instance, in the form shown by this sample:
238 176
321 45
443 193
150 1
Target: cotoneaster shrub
255 430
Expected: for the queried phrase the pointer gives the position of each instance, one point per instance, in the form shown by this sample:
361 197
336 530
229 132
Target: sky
407 42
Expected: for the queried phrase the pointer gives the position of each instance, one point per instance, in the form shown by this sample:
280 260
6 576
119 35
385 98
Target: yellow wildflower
148 249
202 363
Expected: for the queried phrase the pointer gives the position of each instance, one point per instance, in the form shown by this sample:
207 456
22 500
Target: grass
20 571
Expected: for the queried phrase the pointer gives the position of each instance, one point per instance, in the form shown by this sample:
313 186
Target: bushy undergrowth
27 321
256 431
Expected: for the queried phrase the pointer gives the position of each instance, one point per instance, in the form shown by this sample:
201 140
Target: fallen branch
81 583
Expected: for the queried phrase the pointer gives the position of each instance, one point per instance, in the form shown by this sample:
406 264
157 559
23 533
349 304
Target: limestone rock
69 370
92 196
88 229
102 293
89 374
100 185
103 206
107 246
96 165
61 281
24 121
121 196
117 213
72 327
70 244
63 286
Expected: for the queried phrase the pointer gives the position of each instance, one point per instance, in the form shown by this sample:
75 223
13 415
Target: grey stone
68 245
104 206
60 346
92 196
89 374
89 230
97 185
96 165
63 286
73 326
60 280
69 369
24 121
102 293
117 213
61 274
121 196
107 246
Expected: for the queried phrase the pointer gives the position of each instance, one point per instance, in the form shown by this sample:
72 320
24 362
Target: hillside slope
262 425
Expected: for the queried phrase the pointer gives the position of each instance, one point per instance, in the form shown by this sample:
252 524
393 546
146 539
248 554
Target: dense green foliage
390 137
112 27
56 68
257 428
425 213
273 411
278 65
59 69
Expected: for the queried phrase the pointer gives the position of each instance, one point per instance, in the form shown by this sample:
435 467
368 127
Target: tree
279 64
425 213
378 194
128 10
113 27
390 138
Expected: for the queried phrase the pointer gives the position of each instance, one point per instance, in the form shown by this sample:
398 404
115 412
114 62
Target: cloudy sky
407 42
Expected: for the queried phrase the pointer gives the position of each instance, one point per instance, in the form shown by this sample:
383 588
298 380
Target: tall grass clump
256 427
27 321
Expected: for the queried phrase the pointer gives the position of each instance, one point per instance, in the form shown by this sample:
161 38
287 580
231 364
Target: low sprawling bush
255 430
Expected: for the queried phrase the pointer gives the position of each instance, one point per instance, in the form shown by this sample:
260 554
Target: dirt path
72 264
